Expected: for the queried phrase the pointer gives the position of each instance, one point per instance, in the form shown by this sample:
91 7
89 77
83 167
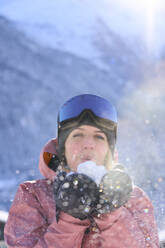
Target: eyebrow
99 131
96 131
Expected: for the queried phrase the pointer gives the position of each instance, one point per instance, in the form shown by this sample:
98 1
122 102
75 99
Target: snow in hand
89 168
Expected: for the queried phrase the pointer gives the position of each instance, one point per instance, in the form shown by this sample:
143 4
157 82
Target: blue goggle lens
98 105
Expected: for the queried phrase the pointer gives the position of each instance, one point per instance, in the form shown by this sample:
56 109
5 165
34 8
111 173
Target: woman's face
86 143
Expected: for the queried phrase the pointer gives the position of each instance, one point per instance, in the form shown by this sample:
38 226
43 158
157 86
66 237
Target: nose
88 143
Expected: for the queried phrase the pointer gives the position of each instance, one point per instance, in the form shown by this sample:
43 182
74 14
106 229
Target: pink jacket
32 219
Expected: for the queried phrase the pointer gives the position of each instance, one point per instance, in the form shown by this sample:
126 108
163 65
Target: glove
75 194
115 189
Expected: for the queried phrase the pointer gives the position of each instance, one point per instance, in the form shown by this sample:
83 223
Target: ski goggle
99 106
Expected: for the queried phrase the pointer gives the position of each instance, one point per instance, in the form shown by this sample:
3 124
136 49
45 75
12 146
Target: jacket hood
46 154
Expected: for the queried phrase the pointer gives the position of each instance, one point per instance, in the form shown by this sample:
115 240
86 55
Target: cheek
102 152
71 151
103 148
74 147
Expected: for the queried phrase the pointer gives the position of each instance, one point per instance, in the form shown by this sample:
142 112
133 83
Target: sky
72 25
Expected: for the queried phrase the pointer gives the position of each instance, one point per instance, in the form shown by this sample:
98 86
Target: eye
101 137
77 135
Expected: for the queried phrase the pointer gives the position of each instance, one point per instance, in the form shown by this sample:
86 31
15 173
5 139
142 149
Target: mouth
87 159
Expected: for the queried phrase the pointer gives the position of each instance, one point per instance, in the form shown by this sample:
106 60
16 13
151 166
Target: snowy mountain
67 26
72 26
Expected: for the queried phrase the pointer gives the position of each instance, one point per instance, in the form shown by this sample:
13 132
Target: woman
85 200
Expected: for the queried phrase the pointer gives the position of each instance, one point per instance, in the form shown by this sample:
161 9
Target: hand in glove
115 189
115 186
75 194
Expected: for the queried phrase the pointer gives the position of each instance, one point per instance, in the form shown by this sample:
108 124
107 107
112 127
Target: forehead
88 128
